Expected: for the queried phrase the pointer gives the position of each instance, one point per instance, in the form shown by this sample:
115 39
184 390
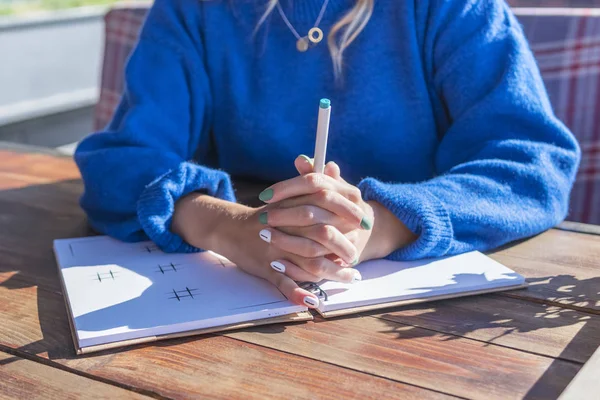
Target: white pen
322 134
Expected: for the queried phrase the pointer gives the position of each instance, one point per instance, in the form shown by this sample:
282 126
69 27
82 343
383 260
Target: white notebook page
119 291
386 281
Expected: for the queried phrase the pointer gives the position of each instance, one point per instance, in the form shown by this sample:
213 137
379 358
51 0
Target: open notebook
387 283
126 293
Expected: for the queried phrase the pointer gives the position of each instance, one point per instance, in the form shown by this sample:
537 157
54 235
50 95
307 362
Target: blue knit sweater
442 117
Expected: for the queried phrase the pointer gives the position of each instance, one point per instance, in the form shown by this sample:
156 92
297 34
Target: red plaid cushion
122 25
566 43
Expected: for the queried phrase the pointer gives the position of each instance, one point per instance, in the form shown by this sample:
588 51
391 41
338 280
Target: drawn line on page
151 248
105 275
167 268
189 292
71 248
258 305
180 294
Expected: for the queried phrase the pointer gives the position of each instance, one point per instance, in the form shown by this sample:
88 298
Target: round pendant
315 35
302 45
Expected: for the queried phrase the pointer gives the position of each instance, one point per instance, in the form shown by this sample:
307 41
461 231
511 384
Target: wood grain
536 328
379 356
33 320
25 379
461 367
561 267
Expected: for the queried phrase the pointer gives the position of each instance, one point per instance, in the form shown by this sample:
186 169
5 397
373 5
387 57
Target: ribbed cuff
420 211
156 205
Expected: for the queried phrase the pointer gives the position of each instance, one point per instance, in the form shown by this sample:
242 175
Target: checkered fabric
566 43
121 28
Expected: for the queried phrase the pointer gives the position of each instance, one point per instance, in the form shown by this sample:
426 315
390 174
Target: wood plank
33 320
586 385
25 379
461 367
562 267
536 328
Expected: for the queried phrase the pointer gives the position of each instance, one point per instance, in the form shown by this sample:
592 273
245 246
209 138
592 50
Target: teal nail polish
306 158
354 262
366 223
263 218
266 195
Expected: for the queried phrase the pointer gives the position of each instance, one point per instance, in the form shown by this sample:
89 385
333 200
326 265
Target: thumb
304 165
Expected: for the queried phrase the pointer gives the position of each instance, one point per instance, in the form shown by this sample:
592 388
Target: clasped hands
312 227
316 225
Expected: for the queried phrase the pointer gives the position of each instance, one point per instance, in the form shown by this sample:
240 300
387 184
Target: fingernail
266 195
263 218
366 223
357 277
311 301
265 235
354 262
307 159
277 266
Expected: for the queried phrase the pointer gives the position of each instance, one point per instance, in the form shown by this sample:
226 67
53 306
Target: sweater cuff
156 205
420 211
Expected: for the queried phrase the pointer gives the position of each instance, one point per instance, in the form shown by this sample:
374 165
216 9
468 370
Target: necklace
315 34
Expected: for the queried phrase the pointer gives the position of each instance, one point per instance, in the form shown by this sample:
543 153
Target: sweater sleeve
139 166
505 164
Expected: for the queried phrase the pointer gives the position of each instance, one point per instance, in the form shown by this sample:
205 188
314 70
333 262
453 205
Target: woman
442 134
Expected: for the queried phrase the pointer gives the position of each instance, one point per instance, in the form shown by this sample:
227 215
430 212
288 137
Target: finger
333 170
293 271
308 184
290 289
304 215
304 165
330 238
333 202
327 269
293 244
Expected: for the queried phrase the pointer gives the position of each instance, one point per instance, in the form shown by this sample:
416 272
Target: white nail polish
265 235
310 301
277 266
357 277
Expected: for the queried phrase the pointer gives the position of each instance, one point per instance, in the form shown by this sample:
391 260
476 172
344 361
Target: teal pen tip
325 103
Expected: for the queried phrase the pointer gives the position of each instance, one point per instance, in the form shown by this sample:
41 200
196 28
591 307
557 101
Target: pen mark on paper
151 248
185 293
258 305
106 276
168 268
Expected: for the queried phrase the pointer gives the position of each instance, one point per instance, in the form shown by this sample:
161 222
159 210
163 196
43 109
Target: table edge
570 226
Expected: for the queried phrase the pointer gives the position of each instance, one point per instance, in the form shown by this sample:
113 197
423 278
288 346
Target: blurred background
51 54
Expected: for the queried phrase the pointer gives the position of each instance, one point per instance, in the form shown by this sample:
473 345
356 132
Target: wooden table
528 343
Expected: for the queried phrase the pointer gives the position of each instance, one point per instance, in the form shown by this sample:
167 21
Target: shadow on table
570 313
31 217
